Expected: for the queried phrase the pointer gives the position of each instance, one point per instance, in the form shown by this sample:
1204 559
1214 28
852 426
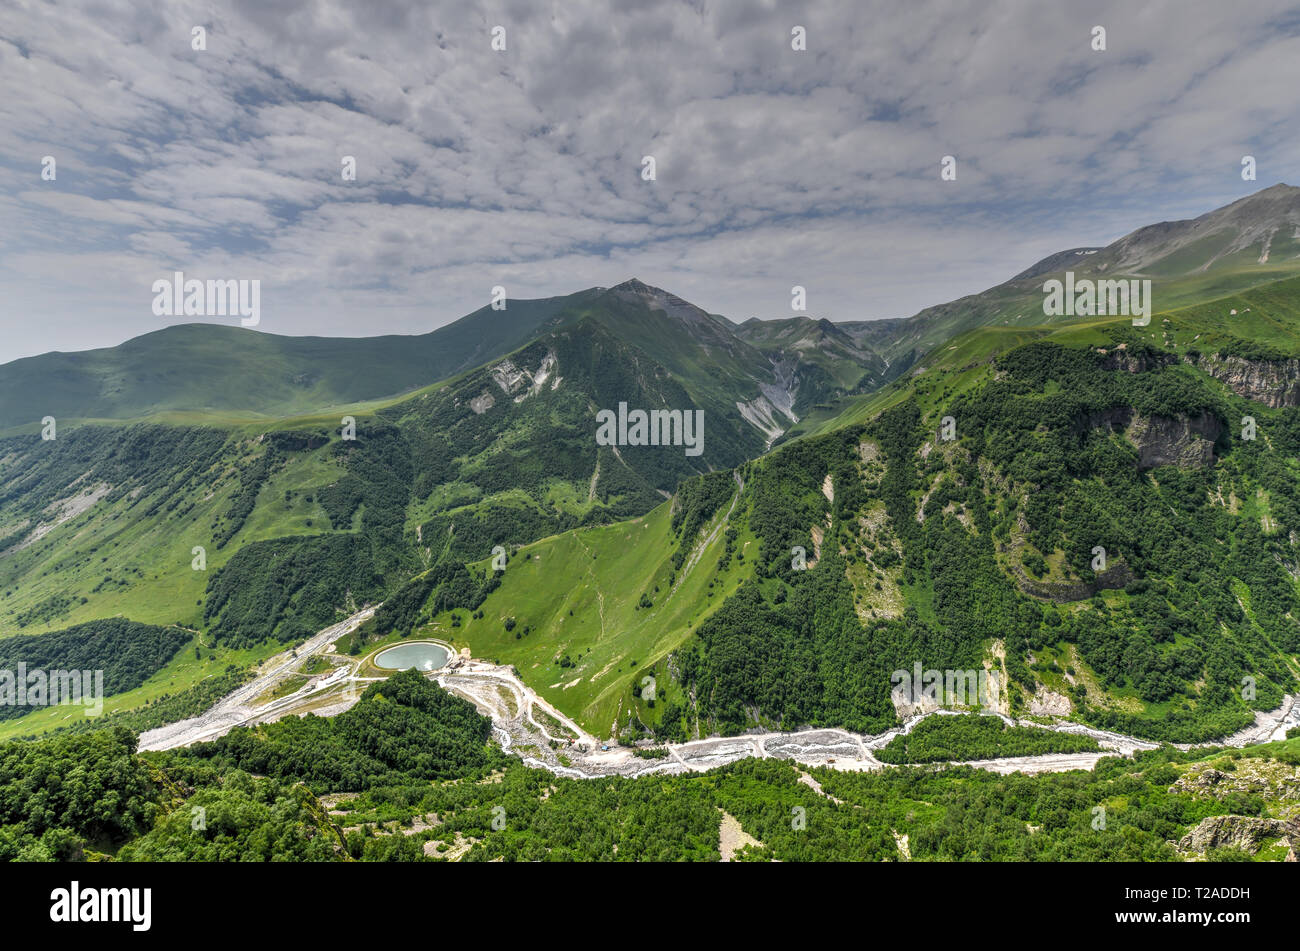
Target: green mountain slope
1250 242
299 526
975 551
234 371
631 561
837 365
207 373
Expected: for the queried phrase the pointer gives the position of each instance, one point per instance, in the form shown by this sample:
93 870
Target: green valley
1099 516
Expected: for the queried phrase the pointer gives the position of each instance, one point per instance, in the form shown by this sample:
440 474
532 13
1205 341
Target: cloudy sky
523 167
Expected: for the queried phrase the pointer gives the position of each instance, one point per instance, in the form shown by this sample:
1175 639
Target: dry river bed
531 728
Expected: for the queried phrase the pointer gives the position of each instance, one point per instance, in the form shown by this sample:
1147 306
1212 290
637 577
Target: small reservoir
421 655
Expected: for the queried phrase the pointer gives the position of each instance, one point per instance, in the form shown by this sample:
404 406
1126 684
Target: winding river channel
529 727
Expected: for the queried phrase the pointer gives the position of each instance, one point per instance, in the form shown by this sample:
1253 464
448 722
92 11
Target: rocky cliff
1275 383
1184 441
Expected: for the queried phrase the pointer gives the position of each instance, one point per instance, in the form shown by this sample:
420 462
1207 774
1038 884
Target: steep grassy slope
103 521
1262 324
587 615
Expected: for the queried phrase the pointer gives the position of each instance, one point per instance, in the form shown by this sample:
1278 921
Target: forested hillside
124 654
926 550
257 535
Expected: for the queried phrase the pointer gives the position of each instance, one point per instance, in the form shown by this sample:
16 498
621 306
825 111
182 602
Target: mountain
976 552
726 376
227 374
1252 232
773 372
211 368
297 521
846 365
772 589
1250 242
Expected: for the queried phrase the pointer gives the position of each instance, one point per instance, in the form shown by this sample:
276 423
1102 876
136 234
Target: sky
523 167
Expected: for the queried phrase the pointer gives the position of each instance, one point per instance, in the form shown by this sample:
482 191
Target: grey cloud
477 168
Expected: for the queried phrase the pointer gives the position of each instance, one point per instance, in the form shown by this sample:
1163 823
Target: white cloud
477 168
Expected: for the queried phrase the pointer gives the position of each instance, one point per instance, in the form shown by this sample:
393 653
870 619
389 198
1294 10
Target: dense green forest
403 729
956 738
1212 599
695 503
157 466
1200 610
62 794
127 653
235 817
80 797
289 588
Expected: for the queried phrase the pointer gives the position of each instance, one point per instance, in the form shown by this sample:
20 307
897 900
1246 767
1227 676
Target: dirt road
236 708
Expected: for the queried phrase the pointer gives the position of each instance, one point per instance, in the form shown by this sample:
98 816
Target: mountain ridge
186 367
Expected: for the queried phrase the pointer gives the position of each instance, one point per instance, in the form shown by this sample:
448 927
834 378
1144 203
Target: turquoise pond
422 656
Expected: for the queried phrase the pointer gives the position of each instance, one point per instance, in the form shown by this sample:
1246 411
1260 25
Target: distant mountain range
770 370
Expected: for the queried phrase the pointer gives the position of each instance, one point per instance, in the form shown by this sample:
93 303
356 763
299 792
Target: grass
579 594
150 578
1195 313
149 561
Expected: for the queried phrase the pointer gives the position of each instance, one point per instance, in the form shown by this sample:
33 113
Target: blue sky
522 168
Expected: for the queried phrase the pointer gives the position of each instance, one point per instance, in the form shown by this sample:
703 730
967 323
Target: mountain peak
656 298
635 285
1060 261
1276 199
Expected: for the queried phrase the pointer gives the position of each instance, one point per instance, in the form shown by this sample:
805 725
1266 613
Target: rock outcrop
1183 441
1271 780
1247 833
1275 383
1118 575
1136 362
